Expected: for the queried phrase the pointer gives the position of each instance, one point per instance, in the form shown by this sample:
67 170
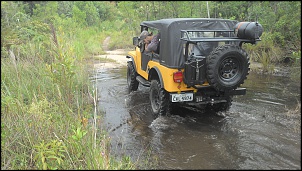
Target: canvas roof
171 45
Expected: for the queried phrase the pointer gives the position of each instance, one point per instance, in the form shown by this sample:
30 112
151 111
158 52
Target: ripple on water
160 123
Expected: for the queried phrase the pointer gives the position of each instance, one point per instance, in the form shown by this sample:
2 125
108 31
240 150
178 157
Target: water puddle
261 130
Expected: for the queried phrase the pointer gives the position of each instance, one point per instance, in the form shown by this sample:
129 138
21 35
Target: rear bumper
206 96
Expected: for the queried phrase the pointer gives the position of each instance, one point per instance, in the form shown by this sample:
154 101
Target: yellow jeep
200 62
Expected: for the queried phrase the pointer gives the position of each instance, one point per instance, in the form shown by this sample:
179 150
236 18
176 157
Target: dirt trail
106 43
119 55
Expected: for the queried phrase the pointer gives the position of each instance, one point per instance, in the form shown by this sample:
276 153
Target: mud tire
227 67
159 99
131 78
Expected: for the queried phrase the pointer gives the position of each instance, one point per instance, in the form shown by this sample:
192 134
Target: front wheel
159 99
131 78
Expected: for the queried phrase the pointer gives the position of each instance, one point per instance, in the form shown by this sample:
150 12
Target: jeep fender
154 73
132 60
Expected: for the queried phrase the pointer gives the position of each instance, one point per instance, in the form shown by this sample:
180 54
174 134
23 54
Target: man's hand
146 45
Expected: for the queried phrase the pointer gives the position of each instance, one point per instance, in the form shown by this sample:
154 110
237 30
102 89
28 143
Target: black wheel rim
229 68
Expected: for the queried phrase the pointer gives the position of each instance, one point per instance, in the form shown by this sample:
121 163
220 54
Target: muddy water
262 130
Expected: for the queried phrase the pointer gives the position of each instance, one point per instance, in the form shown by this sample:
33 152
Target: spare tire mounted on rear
227 67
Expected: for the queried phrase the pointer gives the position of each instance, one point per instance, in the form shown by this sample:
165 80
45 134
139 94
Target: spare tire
227 67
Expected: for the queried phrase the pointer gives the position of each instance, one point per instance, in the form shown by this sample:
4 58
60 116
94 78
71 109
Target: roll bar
186 35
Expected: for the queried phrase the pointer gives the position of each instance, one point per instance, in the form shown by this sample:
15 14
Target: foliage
296 68
65 8
92 15
79 134
46 13
78 16
50 155
106 10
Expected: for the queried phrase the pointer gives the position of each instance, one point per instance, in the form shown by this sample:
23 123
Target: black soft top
171 45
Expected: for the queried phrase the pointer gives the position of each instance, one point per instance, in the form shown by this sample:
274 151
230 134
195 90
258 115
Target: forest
46 95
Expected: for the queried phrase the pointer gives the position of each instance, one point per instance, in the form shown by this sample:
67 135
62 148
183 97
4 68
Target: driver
151 41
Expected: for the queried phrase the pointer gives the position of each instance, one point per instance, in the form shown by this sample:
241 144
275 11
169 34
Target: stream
262 129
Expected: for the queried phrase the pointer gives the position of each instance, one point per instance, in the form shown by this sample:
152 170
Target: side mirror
136 41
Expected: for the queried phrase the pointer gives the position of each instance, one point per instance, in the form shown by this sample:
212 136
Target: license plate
182 97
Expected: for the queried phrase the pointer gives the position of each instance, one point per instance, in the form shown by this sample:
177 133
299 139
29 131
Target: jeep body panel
162 71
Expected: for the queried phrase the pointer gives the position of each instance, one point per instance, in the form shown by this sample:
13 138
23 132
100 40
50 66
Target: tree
79 16
65 8
92 16
46 12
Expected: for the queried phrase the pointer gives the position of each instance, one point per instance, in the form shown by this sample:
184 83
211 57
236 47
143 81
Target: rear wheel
159 99
131 78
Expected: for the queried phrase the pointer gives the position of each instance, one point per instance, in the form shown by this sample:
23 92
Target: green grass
48 116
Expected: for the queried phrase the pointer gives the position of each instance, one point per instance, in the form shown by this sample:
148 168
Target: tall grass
48 118
295 73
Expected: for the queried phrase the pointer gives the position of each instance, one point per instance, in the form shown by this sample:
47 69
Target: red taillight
177 76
